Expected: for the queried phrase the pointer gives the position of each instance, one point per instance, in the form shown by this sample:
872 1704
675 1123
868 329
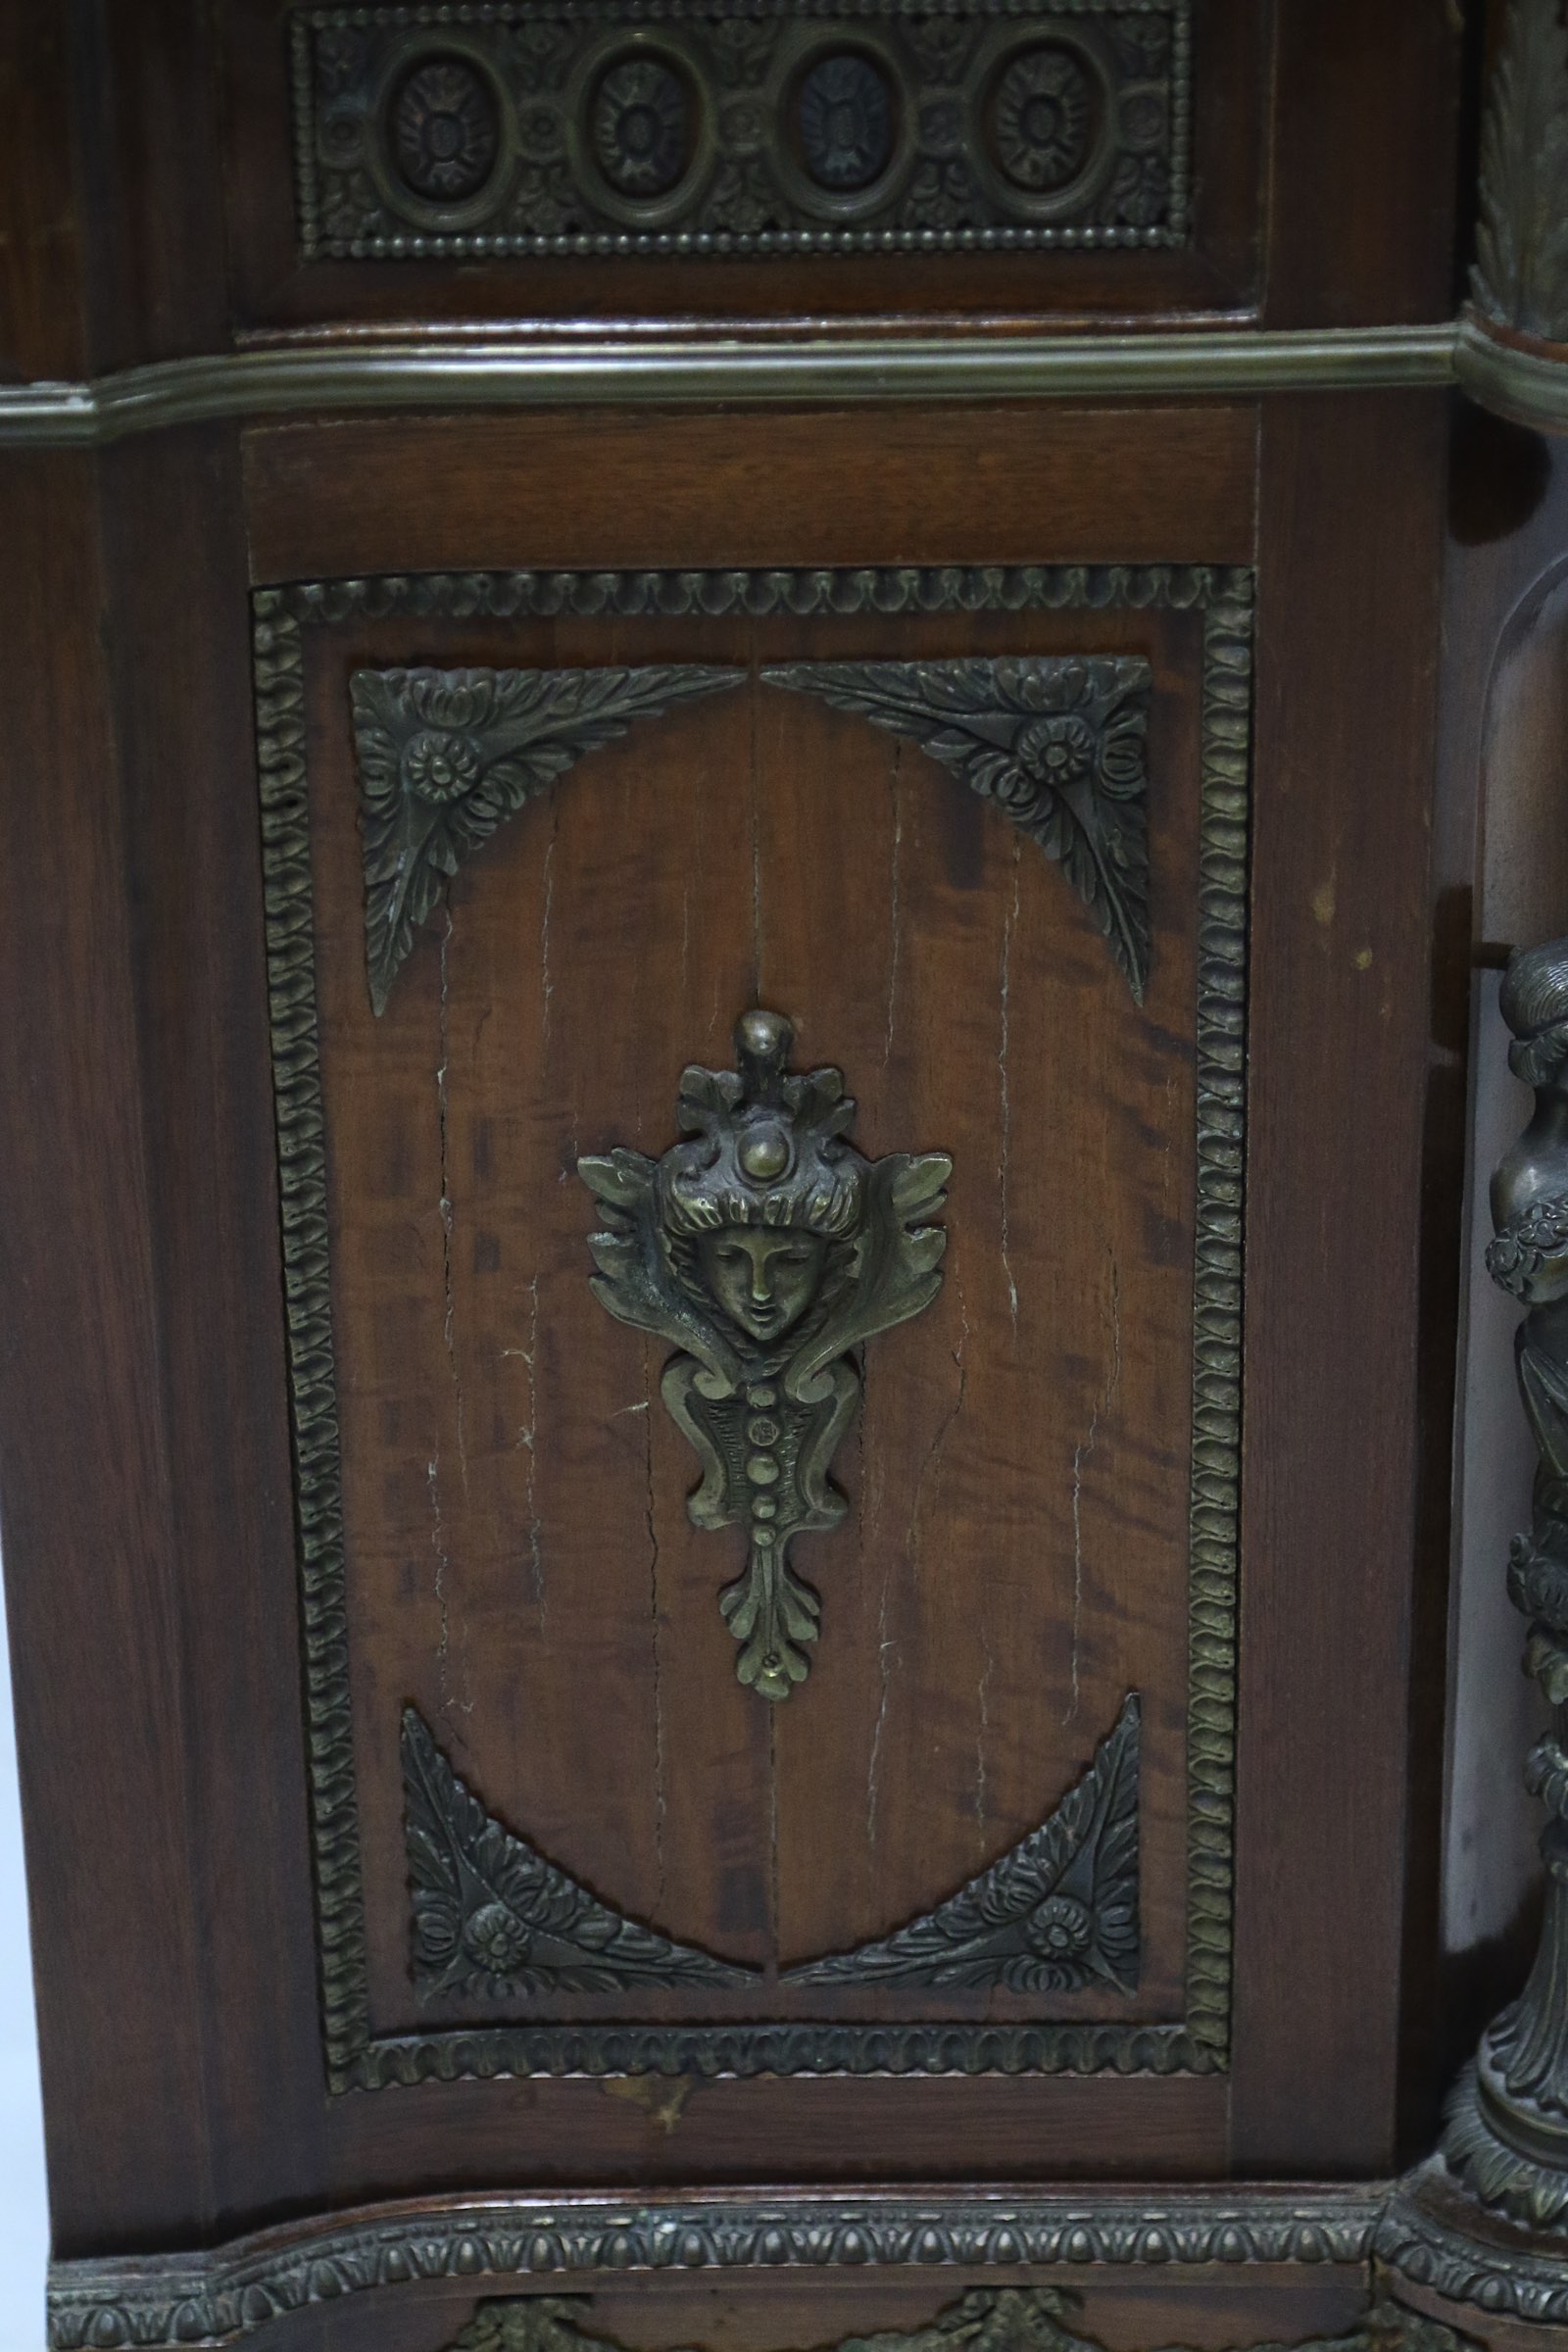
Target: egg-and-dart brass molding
357 2058
223 2294
511 370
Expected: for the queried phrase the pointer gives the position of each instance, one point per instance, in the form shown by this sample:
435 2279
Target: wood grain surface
520 1563
1339 1074
1129 483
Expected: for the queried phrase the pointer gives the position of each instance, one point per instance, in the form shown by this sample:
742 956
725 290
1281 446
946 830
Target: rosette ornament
1058 745
447 756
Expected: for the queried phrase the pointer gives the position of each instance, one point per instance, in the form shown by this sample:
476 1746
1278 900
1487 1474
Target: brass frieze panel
708 127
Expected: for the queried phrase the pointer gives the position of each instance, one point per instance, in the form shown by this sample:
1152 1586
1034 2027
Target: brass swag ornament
766 1248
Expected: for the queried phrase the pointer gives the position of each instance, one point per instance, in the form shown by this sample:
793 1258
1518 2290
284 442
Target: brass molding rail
1516 378
496 2242
1423 2226
479 369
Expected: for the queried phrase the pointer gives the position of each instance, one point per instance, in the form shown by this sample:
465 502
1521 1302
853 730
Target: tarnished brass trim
505 371
216 2297
1435 2234
540 154
1507 2128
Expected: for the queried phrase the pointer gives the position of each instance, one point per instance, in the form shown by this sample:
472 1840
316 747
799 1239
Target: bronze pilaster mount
768 1249
1486 2219
1507 2132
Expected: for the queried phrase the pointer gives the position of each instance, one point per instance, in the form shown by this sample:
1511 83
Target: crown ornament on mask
768 1249
769 1147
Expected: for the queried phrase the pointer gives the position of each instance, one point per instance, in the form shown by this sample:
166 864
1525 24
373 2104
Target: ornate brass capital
768 1249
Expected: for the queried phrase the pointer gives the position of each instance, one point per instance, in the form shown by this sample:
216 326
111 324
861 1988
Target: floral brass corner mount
768 1249
493 1919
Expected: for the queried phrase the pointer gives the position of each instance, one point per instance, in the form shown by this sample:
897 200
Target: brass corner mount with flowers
768 1249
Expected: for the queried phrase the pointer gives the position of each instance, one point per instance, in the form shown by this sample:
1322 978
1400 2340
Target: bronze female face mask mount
768 1249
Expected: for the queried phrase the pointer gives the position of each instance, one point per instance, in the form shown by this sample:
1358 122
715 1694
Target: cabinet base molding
1425 2229
223 2296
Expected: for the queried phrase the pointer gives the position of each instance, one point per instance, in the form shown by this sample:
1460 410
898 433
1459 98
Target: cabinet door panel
981 836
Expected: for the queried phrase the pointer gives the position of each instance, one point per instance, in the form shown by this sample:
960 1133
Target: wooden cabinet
732 1197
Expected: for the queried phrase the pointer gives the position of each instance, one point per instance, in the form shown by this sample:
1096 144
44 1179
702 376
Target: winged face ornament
766 1248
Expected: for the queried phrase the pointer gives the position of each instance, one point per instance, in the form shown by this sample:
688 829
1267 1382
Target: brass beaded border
355 2058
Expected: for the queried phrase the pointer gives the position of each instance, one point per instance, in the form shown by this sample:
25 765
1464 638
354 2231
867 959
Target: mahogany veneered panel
1124 484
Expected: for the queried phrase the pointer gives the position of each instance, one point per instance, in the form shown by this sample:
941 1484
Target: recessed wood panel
1027 1540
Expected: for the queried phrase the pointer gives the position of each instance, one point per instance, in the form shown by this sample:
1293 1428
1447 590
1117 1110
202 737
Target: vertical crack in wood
529 1439
547 986
1004 1163
884 1651
438 1544
447 1207
660 1794
450 1702
983 1725
776 1893
894 910
1080 1455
